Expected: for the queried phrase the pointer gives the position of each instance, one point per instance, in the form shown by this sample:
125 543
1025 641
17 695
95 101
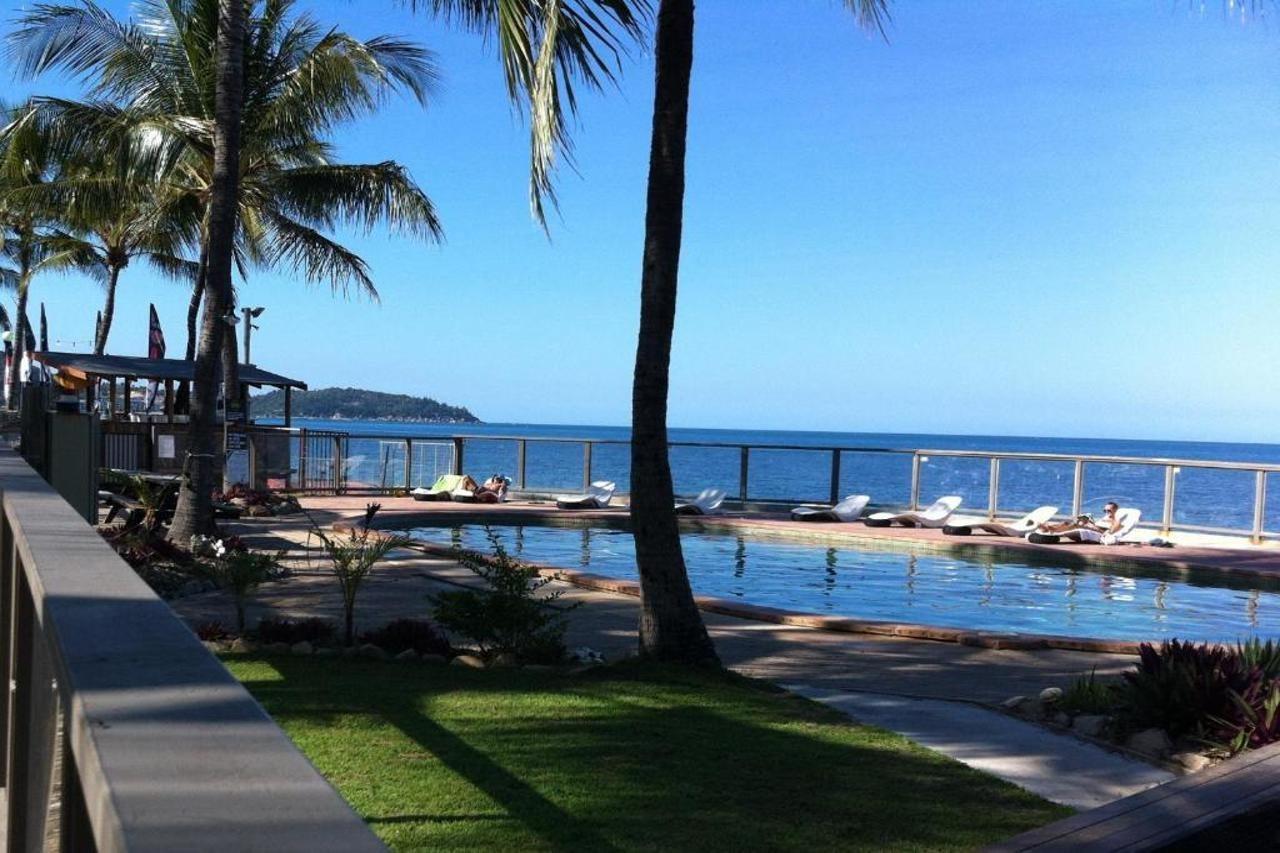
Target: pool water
902 586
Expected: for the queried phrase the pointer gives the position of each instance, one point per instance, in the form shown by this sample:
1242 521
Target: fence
120 730
1196 495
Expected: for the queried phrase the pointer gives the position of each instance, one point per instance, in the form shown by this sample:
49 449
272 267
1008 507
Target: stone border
798 618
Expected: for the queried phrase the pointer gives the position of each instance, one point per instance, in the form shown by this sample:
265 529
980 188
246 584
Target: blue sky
1041 218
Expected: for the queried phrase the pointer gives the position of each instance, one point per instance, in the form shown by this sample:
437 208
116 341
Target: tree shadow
624 761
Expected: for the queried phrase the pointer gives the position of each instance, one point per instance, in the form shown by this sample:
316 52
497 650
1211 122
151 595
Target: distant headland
356 404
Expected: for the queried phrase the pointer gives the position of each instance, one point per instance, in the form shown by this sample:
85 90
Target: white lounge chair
1127 516
707 502
849 509
1021 527
934 516
597 496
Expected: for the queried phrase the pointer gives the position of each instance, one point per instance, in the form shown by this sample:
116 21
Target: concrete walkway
928 691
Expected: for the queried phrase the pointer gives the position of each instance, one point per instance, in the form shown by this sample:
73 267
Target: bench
1238 800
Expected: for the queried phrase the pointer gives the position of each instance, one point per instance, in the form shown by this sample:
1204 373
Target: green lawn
623 758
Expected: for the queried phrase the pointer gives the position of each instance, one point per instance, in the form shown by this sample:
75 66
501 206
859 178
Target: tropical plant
1252 718
1180 686
200 80
352 554
280 630
1088 695
1253 652
235 570
417 635
511 613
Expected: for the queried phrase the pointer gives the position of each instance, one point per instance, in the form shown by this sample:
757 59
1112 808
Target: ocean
375 453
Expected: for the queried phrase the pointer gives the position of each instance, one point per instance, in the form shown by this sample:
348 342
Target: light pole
250 314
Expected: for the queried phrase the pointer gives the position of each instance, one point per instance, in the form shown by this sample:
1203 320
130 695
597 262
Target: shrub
417 634
1179 687
509 615
1265 656
1251 720
280 630
237 572
352 556
1088 695
210 631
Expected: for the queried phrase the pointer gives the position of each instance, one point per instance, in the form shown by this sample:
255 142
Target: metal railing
121 732
324 461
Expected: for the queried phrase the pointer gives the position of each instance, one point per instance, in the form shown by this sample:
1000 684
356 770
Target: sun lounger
707 502
1127 516
934 516
597 496
446 487
1021 527
849 509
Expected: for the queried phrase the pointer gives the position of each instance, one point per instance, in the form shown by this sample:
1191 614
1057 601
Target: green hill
355 404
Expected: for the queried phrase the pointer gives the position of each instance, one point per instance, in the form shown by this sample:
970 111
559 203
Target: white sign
165 448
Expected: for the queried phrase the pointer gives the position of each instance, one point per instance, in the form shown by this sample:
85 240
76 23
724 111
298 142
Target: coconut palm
160 76
670 626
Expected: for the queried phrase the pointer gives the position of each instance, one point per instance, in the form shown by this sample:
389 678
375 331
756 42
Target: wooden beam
288 406
128 395
168 400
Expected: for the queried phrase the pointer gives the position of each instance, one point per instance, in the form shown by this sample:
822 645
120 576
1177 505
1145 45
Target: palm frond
317 258
363 195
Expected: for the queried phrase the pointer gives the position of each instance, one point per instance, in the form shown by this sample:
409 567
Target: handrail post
457 454
835 477
339 469
915 481
1077 489
520 462
744 465
302 459
408 464
587 447
1259 506
993 488
1170 489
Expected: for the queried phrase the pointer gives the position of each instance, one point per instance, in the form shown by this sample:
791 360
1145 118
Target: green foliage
1265 656
280 630
403 634
1179 686
509 614
1252 718
625 758
1088 695
352 555
238 572
358 404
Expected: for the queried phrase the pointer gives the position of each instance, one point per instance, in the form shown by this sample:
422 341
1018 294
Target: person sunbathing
494 490
1109 523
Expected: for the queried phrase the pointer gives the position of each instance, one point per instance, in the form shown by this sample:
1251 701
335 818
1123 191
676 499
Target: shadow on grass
642 758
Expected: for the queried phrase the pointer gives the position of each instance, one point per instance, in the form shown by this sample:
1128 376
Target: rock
434 659
1191 762
505 659
472 661
1152 742
258 511
302 648
326 652
407 655
372 652
1062 719
1050 695
276 648
211 645
242 646
1013 703
1091 725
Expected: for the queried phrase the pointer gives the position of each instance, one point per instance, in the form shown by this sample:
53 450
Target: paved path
877 679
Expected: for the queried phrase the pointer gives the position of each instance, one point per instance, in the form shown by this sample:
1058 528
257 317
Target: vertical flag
7 333
44 330
155 349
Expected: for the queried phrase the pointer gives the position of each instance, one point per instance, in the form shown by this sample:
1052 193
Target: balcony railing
1197 495
121 732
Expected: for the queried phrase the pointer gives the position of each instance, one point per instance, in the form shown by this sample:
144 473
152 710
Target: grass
629 757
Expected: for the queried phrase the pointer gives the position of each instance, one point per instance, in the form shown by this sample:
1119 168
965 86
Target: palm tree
670 626
297 82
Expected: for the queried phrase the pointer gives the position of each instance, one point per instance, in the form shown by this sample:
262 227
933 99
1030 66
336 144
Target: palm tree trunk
108 312
19 338
182 401
671 627
194 513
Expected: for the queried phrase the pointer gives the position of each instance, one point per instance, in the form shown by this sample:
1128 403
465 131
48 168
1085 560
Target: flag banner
7 329
44 330
155 349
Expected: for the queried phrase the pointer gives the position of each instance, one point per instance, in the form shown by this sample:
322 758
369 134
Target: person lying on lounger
493 491
1109 523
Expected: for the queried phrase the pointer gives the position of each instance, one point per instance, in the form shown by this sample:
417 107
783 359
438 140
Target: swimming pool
859 582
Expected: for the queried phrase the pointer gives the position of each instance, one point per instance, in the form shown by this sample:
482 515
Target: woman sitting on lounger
1109 523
